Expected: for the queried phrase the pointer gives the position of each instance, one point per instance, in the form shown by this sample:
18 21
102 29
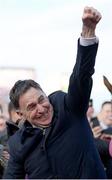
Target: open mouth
44 116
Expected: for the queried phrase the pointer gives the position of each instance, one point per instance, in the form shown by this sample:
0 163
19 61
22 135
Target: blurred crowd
8 126
101 125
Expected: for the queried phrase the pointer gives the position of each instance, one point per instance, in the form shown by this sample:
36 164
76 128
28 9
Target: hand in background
97 131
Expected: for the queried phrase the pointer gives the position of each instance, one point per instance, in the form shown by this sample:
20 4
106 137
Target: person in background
1 110
104 118
14 122
4 156
103 144
55 141
110 148
102 131
13 115
7 129
105 115
90 111
3 131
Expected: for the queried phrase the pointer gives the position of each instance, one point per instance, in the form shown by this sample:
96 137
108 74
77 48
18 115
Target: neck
41 126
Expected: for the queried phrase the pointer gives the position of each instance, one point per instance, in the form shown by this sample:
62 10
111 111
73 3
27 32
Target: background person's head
13 115
106 113
31 102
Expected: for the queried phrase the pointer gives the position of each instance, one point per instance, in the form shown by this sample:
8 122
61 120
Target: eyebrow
29 105
39 99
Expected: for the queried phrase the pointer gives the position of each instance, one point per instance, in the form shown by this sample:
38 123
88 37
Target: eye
41 99
31 107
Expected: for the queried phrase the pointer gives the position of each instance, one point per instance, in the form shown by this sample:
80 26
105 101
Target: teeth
44 116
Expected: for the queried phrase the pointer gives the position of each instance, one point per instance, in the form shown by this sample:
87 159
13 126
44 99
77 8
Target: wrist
88 32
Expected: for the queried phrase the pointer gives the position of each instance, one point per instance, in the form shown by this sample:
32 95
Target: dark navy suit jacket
65 149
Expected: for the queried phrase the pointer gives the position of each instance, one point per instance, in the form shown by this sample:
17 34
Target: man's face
107 114
35 107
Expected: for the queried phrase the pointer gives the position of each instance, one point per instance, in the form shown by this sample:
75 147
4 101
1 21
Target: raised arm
80 83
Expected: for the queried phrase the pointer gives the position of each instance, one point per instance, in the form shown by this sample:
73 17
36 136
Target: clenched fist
90 19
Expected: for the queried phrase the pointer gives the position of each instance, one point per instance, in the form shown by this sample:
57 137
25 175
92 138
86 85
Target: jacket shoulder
56 95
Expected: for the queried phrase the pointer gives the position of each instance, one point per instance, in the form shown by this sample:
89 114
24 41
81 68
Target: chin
46 123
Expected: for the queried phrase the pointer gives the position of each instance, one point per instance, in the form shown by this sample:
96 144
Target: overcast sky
43 34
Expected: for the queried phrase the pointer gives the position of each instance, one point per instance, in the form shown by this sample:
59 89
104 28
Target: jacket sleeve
15 168
80 83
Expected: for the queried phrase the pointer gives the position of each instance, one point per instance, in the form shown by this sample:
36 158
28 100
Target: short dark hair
19 88
105 102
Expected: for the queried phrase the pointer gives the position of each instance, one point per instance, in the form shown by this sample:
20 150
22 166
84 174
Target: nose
40 109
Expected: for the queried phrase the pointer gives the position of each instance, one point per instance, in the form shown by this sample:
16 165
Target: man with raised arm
56 141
